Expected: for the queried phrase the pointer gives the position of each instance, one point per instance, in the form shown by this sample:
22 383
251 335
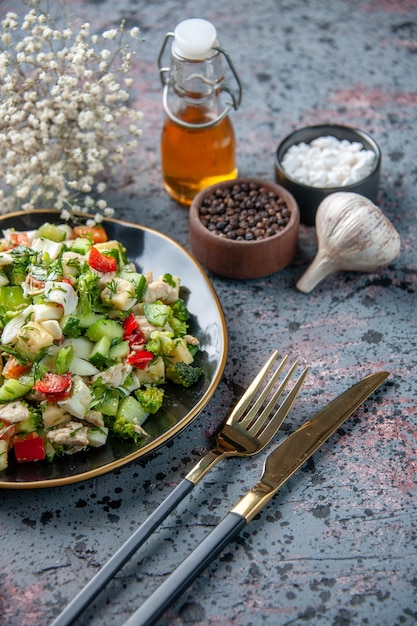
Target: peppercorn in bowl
315 161
244 228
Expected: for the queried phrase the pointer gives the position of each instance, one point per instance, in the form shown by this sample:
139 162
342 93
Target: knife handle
116 562
185 574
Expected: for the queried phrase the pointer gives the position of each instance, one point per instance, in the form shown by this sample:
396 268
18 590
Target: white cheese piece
53 328
43 312
78 402
52 248
33 337
119 294
6 258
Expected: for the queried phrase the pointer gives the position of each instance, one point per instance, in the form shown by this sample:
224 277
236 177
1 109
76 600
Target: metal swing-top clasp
202 47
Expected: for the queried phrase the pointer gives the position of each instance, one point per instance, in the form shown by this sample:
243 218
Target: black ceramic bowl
308 197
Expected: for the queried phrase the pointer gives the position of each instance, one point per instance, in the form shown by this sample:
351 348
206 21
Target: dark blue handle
116 562
187 572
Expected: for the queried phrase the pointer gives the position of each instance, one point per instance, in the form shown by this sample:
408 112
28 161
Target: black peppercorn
244 212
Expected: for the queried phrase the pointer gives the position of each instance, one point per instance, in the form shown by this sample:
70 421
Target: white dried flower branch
65 119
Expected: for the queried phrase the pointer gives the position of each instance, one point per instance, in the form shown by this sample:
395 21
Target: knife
279 466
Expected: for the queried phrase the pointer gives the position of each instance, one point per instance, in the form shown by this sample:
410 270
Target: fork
248 429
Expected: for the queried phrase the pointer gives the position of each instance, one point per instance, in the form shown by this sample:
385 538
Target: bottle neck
198 84
194 89
196 81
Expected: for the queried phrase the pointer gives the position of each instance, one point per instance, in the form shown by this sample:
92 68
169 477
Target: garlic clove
353 235
322 266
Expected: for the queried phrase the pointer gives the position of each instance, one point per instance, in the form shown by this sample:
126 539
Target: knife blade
279 466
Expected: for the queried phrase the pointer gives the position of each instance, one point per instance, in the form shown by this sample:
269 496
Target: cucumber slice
105 328
88 320
52 232
97 436
70 326
132 410
81 245
119 351
108 401
156 313
12 298
100 352
12 389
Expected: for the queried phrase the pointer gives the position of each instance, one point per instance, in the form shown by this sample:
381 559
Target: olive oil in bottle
197 140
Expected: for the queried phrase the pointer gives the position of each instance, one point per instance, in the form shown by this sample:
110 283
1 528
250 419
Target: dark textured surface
337 546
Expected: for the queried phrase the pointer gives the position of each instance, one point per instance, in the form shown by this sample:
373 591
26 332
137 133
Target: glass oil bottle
197 139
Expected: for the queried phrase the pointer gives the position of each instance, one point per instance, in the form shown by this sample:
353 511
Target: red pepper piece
55 386
30 447
101 262
129 325
140 358
20 239
132 332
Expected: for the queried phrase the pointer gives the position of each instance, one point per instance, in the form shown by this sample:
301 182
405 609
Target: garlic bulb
353 235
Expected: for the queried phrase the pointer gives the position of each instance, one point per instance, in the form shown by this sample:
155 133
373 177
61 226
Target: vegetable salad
87 342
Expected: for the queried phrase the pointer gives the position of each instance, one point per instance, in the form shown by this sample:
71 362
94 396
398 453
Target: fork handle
185 574
123 554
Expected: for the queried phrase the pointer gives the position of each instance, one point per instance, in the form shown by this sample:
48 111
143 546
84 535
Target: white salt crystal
328 162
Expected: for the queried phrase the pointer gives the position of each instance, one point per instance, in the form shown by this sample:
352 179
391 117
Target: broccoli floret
180 311
128 419
34 423
183 374
178 320
160 342
180 328
151 398
35 418
127 430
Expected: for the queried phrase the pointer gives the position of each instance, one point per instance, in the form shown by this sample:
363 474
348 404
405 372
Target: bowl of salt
315 161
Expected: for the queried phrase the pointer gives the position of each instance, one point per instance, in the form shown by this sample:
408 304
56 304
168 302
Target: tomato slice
101 262
140 358
96 234
13 369
30 447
